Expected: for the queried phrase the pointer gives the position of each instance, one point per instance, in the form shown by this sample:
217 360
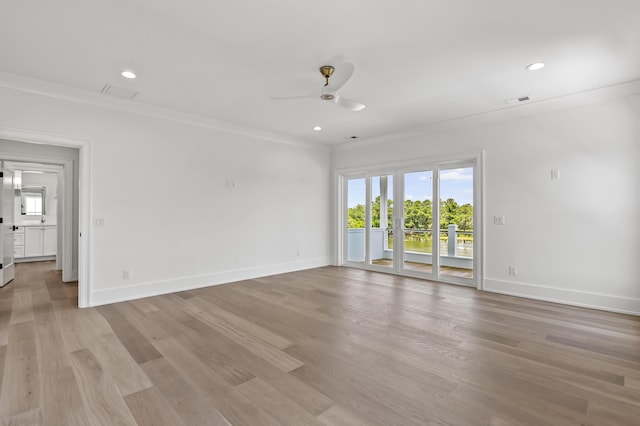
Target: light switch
555 174
99 222
498 220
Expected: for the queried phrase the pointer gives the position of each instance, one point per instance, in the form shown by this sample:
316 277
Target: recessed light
128 74
317 128
535 66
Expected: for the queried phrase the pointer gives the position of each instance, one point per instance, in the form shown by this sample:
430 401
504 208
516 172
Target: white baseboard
148 289
33 259
604 302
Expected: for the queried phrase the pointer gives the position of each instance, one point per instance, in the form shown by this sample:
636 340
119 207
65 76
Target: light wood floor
323 346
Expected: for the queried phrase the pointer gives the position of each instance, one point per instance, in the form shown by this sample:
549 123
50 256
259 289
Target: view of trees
417 214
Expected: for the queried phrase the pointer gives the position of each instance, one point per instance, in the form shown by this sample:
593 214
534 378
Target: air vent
118 92
517 100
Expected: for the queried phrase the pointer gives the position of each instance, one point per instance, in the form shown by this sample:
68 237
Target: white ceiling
417 62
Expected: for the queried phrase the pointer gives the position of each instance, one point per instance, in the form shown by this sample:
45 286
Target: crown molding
600 94
52 90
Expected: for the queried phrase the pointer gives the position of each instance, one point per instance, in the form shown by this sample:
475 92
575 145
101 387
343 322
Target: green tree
355 217
464 218
417 214
448 212
375 213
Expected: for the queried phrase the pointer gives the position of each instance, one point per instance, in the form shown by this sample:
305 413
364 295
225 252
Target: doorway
422 221
73 156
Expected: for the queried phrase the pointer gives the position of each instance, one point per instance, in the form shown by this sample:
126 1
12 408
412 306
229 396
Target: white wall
160 185
575 240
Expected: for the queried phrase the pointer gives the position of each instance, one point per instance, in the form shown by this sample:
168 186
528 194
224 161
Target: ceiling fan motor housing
326 71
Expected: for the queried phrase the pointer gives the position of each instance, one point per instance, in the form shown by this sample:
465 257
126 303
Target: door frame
84 160
340 226
64 205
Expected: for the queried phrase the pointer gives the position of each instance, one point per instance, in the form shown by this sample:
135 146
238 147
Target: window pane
355 220
456 222
33 204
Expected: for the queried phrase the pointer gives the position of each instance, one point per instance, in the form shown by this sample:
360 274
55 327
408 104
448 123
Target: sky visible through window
454 183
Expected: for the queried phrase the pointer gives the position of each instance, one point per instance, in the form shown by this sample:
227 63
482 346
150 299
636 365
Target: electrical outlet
298 253
555 174
99 222
513 270
126 274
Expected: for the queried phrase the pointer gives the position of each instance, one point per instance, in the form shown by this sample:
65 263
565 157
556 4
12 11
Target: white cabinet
18 242
33 241
40 241
50 241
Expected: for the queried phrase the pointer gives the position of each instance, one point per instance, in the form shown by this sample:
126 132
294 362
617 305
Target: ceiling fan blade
349 104
341 76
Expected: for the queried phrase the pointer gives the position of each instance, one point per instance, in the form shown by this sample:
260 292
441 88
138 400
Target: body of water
424 244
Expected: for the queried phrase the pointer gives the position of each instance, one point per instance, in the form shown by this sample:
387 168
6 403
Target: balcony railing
456 247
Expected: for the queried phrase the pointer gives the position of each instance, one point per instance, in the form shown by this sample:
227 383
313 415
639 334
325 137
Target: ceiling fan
329 92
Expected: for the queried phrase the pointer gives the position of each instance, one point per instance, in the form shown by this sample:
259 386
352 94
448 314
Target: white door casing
83 203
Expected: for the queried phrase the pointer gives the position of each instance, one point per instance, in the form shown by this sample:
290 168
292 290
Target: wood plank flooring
327 346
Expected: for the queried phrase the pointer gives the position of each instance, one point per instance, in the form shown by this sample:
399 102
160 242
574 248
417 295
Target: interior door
7 271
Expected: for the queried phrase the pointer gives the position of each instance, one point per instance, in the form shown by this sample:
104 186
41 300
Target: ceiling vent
517 100
118 92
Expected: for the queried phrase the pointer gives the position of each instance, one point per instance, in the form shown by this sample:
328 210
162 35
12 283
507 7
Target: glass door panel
381 230
355 241
456 222
418 222
414 222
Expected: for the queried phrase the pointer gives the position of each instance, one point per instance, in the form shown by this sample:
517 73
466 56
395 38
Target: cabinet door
18 251
33 241
50 243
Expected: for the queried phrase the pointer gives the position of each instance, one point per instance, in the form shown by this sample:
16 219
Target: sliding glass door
456 222
369 222
381 223
355 219
417 222
417 244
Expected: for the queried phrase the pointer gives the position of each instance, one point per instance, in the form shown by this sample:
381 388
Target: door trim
84 157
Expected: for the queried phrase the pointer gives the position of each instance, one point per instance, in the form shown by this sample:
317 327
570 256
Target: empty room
334 213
